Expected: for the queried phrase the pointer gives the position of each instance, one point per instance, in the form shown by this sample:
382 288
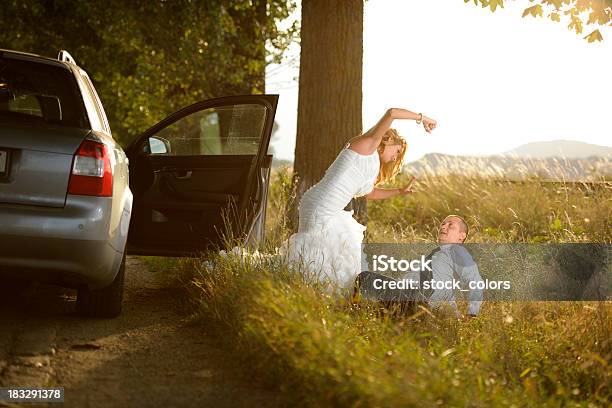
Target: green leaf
556 225
493 4
535 11
576 24
555 3
594 36
597 16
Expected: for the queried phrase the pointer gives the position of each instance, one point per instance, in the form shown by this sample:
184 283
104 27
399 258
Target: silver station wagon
67 203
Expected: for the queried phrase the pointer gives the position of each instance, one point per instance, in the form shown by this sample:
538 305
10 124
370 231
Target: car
73 202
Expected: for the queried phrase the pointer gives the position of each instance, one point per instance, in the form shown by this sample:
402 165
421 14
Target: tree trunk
329 101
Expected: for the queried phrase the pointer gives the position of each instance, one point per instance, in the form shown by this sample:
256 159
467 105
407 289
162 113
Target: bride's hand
429 124
407 189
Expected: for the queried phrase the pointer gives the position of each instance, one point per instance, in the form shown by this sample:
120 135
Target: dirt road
150 356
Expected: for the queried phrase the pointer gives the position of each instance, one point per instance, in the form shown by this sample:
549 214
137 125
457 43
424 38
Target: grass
322 350
497 210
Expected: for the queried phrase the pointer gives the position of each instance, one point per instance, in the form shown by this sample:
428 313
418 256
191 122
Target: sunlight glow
494 81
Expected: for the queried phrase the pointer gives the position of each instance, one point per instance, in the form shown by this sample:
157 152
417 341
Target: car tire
105 302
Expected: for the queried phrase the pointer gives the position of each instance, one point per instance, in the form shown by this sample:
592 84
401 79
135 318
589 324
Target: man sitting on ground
448 261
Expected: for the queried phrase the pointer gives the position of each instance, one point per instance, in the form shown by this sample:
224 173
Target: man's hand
467 317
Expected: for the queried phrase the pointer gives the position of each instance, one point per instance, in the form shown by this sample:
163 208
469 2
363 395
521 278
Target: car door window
224 130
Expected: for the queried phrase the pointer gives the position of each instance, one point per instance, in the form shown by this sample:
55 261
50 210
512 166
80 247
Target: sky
493 81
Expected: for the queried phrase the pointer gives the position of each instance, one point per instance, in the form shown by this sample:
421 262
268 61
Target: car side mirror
157 145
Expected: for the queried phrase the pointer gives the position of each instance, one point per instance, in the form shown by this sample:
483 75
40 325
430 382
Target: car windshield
40 93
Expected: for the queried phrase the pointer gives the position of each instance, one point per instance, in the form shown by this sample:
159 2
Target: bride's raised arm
368 142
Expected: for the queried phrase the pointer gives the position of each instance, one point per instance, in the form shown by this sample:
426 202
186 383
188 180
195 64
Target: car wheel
105 302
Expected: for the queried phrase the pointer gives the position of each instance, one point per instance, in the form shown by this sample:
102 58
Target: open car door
201 176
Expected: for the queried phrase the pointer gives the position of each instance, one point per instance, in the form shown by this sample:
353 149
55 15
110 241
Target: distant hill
568 149
551 168
557 160
277 163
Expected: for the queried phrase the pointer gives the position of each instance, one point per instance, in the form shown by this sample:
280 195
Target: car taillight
91 171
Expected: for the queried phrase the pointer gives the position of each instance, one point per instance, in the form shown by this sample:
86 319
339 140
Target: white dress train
327 245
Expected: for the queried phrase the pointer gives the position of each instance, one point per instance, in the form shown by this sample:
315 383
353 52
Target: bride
327 245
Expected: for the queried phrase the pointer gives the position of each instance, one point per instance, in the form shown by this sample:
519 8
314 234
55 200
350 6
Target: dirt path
150 356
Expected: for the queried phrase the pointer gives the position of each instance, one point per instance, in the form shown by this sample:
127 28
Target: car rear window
40 93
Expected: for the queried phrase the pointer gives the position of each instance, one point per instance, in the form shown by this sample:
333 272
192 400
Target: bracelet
420 119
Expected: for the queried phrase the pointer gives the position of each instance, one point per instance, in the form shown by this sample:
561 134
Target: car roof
25 56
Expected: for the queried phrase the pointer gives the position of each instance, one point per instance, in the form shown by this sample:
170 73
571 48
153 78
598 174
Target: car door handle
186 175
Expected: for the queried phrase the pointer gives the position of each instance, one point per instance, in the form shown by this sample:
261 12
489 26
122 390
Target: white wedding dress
327 245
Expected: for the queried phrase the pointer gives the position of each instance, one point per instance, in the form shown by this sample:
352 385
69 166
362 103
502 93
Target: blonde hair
388 171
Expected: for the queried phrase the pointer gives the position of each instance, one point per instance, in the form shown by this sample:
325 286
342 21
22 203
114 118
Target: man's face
451 232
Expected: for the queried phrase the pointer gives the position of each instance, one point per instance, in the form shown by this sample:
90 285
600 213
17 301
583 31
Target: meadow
322 350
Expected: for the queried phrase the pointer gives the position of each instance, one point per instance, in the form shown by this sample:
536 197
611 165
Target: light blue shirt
454 263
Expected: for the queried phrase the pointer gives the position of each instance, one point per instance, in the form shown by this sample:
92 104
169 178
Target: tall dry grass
529 210
324 351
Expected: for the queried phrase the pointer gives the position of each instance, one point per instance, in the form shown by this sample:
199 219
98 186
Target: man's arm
442 271
469 275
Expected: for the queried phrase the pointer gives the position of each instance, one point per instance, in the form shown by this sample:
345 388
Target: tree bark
330 87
